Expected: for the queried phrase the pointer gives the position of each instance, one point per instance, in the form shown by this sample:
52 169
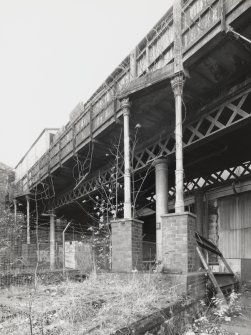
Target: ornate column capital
177 84
125 105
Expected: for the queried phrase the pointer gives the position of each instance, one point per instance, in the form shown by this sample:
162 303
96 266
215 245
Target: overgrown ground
220 319
98 305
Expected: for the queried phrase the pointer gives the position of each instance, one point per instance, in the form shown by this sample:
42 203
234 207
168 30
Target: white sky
55 53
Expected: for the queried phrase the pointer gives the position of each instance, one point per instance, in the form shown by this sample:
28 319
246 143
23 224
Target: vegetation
99 305
10 233
210 317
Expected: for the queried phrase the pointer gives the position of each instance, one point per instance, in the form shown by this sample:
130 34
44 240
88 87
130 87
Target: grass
99 305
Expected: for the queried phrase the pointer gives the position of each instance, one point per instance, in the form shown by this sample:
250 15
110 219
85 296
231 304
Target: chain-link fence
71 251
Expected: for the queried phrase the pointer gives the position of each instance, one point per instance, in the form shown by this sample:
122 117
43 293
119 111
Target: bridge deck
202 21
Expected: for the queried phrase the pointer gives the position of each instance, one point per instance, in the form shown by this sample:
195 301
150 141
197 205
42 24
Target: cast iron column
15 210
28 218
177 86
161 186
52 241
125 105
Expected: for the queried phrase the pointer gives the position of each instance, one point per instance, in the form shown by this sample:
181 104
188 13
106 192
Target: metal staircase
223 282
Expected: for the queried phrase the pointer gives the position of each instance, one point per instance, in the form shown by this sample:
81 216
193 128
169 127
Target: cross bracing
233 112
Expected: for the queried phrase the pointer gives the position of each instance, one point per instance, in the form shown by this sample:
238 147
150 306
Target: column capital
177 83
52 213
125 105
27 197
160 160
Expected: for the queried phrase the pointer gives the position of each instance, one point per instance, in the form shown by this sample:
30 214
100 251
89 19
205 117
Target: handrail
207 244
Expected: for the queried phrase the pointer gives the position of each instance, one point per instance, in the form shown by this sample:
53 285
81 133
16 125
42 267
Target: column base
126 245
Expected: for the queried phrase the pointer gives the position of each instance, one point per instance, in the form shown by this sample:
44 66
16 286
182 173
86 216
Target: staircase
224 282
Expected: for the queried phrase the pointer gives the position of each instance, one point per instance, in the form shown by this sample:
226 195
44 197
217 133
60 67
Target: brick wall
126 245
137 245
196 284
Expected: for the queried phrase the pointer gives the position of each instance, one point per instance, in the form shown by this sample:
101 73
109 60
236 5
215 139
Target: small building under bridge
162 148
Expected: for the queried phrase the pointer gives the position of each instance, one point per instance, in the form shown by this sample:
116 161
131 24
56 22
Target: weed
213 314
99 305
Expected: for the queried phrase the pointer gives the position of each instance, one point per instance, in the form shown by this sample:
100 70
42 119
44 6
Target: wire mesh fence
67 253
72 252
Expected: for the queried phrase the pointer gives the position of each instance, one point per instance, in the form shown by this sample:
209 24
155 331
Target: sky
56 53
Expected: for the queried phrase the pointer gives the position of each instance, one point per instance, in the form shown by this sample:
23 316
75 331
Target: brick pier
180 258
126 245
179 246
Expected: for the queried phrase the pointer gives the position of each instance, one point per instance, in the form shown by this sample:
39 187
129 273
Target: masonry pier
126 245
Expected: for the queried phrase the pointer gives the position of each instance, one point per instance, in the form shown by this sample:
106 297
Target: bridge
195 64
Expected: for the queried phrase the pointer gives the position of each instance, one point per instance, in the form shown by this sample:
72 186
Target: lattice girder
233 173
227 114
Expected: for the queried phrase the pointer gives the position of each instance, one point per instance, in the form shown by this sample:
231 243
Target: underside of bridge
216 136
220 71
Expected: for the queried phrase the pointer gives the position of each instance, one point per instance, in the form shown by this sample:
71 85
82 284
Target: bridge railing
153 52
